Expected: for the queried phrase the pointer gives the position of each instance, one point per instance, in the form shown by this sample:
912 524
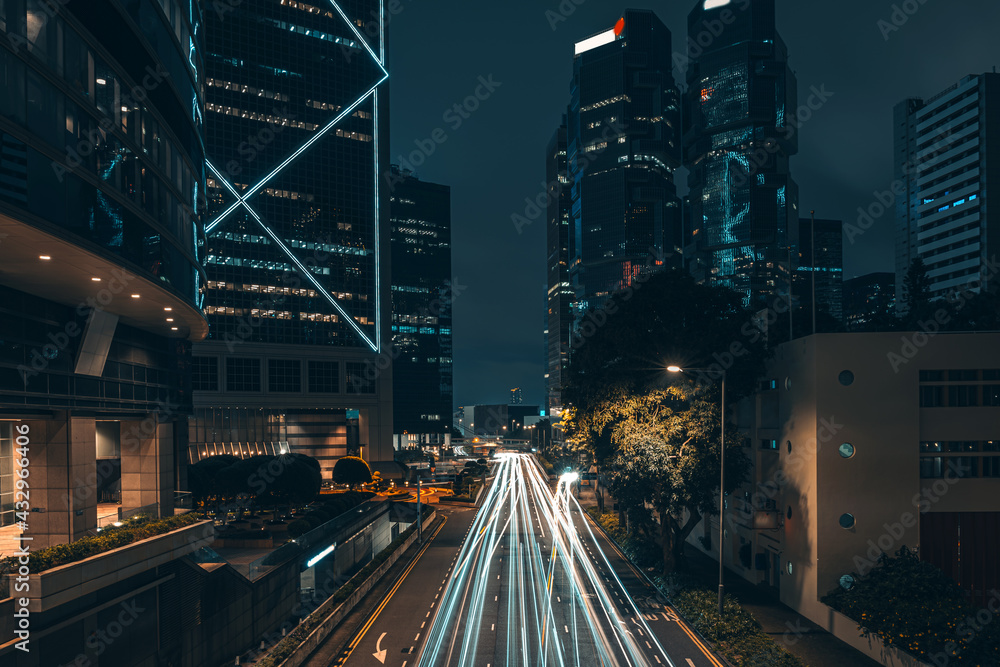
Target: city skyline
884 65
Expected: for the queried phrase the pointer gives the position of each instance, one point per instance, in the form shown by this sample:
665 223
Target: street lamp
722 465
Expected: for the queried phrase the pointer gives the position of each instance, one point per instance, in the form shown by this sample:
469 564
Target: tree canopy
352 470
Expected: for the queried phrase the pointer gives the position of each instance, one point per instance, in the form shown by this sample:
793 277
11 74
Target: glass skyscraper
559 299
297 233
422 298
622 151
739 133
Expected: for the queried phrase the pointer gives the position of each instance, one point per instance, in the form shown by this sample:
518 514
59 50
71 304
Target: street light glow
675 369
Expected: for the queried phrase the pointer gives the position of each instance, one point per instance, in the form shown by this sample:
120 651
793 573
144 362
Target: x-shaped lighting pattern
242 200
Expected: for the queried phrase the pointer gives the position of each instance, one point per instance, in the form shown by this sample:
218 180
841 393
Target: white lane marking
689 662
658 660
565 628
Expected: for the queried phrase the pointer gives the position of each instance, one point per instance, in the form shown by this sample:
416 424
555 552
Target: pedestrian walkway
795 633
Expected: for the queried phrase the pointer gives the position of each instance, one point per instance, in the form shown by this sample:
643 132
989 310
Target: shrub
298 527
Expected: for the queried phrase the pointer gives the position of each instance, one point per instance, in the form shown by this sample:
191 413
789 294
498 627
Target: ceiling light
170 319
101 82
96 280
168 309
45 257
173 328
136 296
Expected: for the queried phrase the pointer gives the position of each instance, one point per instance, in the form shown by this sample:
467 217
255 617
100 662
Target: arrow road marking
380 653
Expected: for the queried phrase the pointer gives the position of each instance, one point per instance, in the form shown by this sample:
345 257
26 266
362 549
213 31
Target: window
931 397
360 380
769 444
284 375
963 446
962 376
847 521
7 473
926 447
991 466
963 396
324 377
846 378
991 395
931 467
242 374
991 374
205 373
846 450
931 376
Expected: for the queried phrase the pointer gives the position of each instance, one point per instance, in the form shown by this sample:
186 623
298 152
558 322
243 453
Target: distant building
421 310
515 396
560 296
859 449
869 300
945 149
623 139
821 259
501 419
739 136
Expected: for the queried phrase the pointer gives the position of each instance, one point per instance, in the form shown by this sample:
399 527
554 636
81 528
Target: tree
352 470
668 456
917 292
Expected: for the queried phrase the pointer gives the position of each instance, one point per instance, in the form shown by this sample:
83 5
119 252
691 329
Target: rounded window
847 582
789 568
789 512
846 450
788 383
846 378
789 445
847 520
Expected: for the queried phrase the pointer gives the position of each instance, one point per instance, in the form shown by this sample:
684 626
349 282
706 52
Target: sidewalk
795 633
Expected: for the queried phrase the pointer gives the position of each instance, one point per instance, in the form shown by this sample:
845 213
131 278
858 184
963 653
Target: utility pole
812 260
420 514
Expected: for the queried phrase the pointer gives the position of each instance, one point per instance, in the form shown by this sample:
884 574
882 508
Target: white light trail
555 608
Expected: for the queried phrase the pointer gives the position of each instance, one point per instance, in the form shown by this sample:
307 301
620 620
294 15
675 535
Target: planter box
846 630
64 583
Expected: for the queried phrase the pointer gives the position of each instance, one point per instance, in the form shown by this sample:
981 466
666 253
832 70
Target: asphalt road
535 583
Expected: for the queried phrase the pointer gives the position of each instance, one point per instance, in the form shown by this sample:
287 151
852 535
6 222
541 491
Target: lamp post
722 467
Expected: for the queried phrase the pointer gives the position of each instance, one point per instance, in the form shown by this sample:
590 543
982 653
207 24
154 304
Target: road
526 581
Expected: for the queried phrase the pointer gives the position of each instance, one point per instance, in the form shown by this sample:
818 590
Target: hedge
286 646
114 537
915 607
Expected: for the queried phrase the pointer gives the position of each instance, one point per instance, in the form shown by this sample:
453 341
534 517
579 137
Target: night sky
495 159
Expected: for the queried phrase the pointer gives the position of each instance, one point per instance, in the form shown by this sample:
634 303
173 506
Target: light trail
525 591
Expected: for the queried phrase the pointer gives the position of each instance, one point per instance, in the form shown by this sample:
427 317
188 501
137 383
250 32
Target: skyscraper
622 151
422 298
945 147
559 299
740 106
298 236
869 301
101 168
821 266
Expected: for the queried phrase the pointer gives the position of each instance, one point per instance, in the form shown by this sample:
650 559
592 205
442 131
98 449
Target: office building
740 132
560 295
500 419
297 251
859 447
869 301
516 398
944 151
821 267
622 151
421 310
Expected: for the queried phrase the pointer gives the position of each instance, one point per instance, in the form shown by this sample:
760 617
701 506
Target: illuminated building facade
297 237
869 301
739 134
943 149
101 171
622 151
560 296
422 296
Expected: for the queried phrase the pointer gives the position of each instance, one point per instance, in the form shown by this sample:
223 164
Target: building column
148 464
62 455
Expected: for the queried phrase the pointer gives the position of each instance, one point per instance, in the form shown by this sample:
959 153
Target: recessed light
173 328
136 296
96 280
45 257
168 309
170 319
101 82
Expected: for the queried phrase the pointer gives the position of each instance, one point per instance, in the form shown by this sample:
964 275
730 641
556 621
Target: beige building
863 443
